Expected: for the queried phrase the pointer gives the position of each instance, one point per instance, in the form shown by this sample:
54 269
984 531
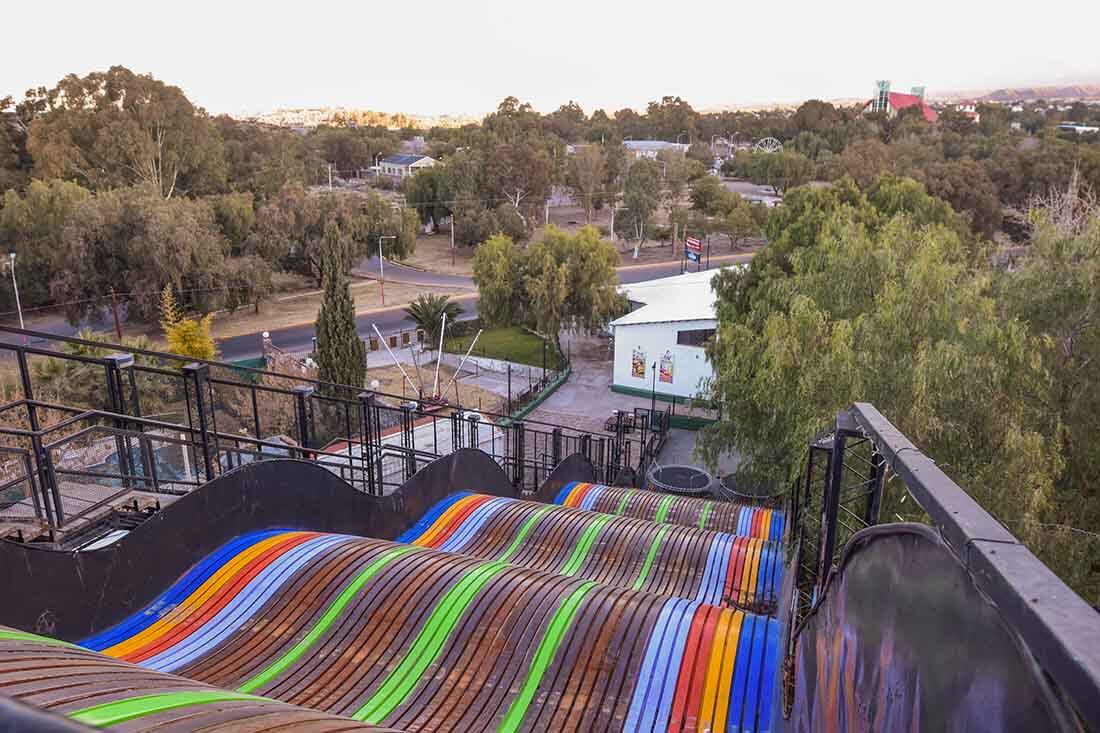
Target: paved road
300 338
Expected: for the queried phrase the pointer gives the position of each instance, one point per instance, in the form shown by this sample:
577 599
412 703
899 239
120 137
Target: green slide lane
584 545
648 564
662 509
703 517
427 645
14 635
119 711
523 532
325 621
544 655
622 504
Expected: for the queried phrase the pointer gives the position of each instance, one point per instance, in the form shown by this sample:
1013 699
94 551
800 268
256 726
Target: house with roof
650 148
404 165
891 103
660 344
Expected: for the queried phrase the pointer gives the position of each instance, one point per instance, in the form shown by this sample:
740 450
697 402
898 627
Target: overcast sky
463 57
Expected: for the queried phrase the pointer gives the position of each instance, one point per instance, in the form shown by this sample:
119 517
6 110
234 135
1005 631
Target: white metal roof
686 297
654 145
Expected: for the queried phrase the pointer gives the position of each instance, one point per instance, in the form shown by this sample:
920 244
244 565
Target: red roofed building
893 102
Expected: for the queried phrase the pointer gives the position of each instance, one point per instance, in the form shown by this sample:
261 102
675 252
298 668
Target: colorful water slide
716 568
738 519
94 691
421 639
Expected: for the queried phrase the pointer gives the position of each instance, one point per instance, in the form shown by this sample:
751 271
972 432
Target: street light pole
653 393
381 269
15 287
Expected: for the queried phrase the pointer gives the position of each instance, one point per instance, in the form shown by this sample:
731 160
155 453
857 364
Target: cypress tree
341 355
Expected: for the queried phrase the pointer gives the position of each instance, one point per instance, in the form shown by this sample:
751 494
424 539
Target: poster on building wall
666 368
637 363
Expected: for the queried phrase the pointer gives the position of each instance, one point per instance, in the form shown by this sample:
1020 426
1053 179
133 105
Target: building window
694 337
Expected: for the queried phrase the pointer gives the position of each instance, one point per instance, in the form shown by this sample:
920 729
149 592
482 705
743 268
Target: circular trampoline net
679 480
751 491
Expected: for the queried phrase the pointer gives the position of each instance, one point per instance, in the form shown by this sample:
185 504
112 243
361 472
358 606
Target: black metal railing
842 491
87 417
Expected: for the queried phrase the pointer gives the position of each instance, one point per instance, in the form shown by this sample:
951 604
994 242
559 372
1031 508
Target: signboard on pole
693 245
693 256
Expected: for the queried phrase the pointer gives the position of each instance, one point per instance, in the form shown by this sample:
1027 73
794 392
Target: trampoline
749 491
687 480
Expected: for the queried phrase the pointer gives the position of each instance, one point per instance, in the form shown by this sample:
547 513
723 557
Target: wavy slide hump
66 688
416 638
77 593
742 520
711 567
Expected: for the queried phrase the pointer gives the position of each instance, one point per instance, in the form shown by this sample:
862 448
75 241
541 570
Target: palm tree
427 312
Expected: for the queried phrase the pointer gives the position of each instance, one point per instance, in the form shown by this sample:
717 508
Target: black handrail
1059 627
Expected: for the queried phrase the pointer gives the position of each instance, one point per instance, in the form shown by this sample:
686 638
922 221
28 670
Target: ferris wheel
768 145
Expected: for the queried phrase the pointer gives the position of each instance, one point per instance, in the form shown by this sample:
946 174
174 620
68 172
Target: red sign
694 244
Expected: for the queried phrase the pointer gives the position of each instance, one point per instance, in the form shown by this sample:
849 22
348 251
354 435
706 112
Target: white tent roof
686 297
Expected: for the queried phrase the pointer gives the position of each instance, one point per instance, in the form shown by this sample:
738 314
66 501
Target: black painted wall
902 640
73 594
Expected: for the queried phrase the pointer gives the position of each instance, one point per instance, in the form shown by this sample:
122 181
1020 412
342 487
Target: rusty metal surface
76 593
712 567
421 639
50 688
721 516
902 640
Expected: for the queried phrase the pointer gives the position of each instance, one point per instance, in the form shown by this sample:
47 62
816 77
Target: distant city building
415 146
891 103
650 148
403 166
1079 129
971 112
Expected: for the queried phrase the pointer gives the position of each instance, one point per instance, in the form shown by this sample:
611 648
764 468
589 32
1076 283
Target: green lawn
510 344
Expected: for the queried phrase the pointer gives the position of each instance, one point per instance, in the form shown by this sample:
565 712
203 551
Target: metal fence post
874 499
456 432
302 393
51 499
831 504
199 374
555 443
116 403
474 422
518 453
370 439
585 446
408 439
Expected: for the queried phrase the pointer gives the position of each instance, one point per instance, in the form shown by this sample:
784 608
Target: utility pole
114 310
381 269
613 203
546 219
15 287
452 239
330 176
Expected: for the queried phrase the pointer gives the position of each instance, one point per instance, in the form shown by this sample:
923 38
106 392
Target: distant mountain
1070 92
317 116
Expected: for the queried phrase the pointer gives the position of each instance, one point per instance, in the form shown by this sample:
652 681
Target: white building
403 166
659 345
1078 128
650 148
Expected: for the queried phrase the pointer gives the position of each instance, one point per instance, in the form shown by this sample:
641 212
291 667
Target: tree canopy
563 281
885 297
